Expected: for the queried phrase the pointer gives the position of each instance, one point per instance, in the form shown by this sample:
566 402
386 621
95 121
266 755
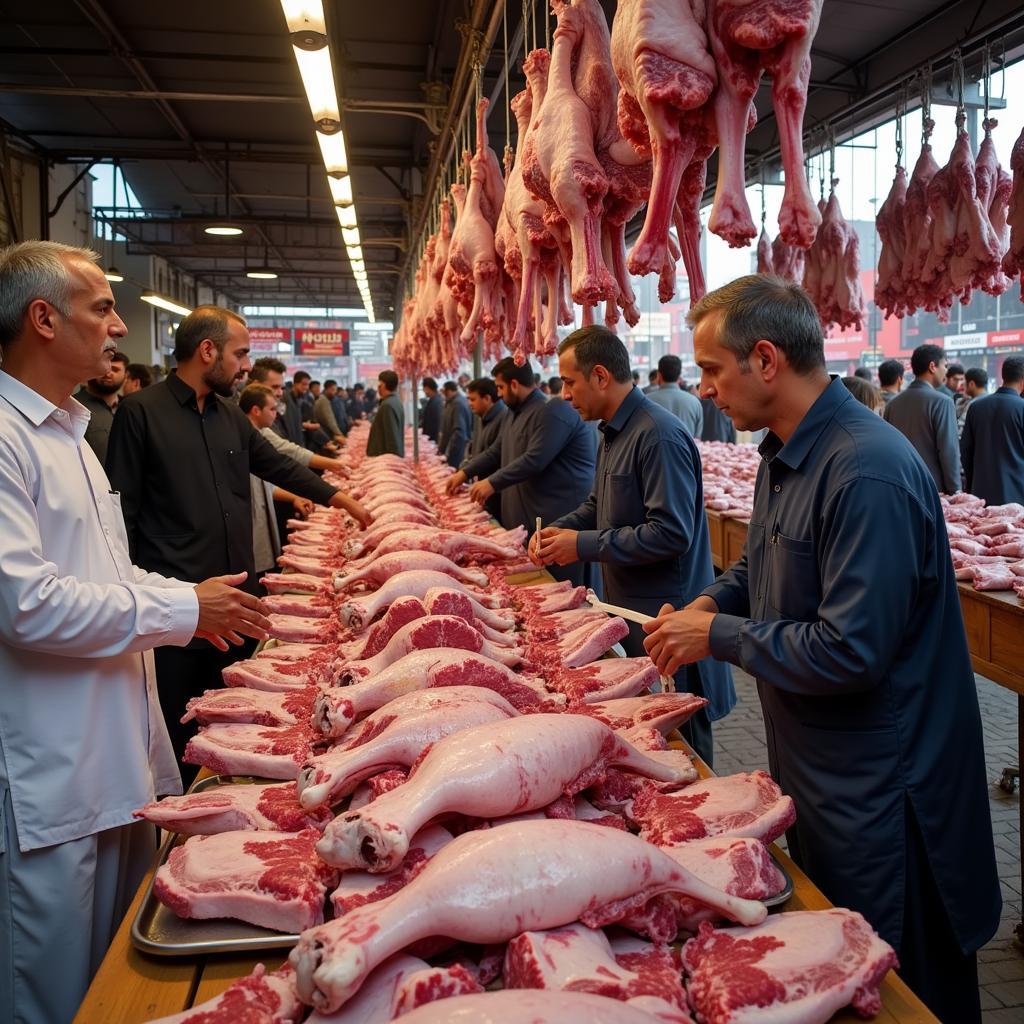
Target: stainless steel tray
157 929
787 890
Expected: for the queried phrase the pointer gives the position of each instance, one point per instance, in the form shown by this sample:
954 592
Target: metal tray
787 890
157 929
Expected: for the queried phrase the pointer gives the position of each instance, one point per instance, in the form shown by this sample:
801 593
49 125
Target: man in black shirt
99 396
180 454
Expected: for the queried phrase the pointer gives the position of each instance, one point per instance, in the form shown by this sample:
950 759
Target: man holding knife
644 520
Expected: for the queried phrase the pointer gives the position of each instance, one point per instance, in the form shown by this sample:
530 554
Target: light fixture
317 74
357 265
222 229
306 23
264 272
332 147
155 299
346 216
341 190
351 236
355 252
113 274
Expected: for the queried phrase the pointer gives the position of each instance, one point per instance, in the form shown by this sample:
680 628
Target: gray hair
35 270
760 307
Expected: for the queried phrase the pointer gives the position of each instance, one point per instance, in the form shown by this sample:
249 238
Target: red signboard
275 334
998 339
315 342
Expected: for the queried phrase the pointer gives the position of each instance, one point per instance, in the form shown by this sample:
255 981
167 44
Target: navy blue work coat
992 447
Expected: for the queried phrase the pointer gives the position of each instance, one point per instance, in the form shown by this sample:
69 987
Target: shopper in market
357 403
954 382
992 445
844 608
489 414
928 419
136 377
456 425
541 463
890 379
865 392
975 385
644 520
387 432
717 425
99 396
323 413
669 394
181 455
433 407
81 741
339 406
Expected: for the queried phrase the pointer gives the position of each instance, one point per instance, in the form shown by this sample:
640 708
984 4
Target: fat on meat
261 997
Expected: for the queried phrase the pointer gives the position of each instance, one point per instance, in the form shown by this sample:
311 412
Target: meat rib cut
251 808
271 879
384 568
258 707
259 998
521 1006
487 771
525 875
273 752
607 679
801 966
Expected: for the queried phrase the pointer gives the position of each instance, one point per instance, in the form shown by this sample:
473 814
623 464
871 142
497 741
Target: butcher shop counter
132 987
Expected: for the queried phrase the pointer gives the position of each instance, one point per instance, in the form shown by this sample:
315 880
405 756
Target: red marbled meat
604 680
661 711
523 1006
551 627
235 808
456 546
261 673
486 771
337 708
273 752
744 804
258 998
302 628
295 583
580 646
487 886
271 879
799 967
259 707
328 777
312 606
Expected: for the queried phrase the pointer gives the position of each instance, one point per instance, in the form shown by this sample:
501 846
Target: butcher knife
631 616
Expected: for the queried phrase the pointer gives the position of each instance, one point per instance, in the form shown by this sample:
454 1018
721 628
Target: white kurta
82 740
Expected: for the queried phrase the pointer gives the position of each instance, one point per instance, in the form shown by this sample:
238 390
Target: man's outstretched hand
227 614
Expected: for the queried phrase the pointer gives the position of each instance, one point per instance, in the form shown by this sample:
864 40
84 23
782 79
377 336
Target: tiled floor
740 746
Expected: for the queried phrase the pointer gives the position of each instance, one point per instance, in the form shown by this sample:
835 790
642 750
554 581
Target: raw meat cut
302 629
332 775
1013 261
458 547
384 568
271 879
336 709
662 711
744 804
801 966
748 37
234 809
890 295
603 680
259 998
550 627
521 1006
258 707
525 875
487 771
832 272
313 606
294 583
430 632
261 673
357 888
584 644
272 752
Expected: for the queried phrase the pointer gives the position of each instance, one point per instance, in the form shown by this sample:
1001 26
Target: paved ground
740 746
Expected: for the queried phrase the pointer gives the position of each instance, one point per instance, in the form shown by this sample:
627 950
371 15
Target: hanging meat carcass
994 186
832 273
788 260
765 262
1013 261
747 38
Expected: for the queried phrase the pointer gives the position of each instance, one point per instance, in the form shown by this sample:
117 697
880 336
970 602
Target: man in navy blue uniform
844 608
992 446
644 520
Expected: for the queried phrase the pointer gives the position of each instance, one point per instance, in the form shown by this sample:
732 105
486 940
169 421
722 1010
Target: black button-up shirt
844 607
184 481
101 416
992 448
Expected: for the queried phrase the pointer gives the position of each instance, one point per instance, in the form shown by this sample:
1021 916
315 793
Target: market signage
997 339
959 342
315 342
269 339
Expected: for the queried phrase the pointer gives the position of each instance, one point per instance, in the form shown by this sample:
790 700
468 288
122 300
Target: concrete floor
740 746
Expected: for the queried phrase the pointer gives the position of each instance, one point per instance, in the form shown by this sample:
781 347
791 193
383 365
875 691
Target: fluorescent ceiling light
355 253
306 16
113 274
162 303
346 216
318 81
261 273
341 190
333 149
357 265
351 236
222 229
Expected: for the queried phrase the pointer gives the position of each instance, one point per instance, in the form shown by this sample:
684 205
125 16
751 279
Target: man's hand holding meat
677 638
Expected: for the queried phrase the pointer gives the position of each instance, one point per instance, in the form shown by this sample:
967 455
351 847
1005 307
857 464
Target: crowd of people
140 515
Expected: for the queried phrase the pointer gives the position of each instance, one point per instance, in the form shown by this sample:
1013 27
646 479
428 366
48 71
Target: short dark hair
636 375
358 386
264 366
450 385
120 357
761 307
954 369
1013 370
890 372
300 376
429 382
204 322
976 375
597 345
314 383
484 387
329 383
388 378
140 372
671 368
651 377
508 371
863 372
555 383
536 380
923 356
254 396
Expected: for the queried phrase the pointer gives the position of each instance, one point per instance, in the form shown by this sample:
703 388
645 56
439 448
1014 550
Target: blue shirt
992 447
844 608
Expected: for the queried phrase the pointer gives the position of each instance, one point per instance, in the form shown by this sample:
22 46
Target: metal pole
415 422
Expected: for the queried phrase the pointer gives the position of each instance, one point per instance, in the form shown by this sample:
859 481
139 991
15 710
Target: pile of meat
611 121
950 230
467 782
729 472
986 542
